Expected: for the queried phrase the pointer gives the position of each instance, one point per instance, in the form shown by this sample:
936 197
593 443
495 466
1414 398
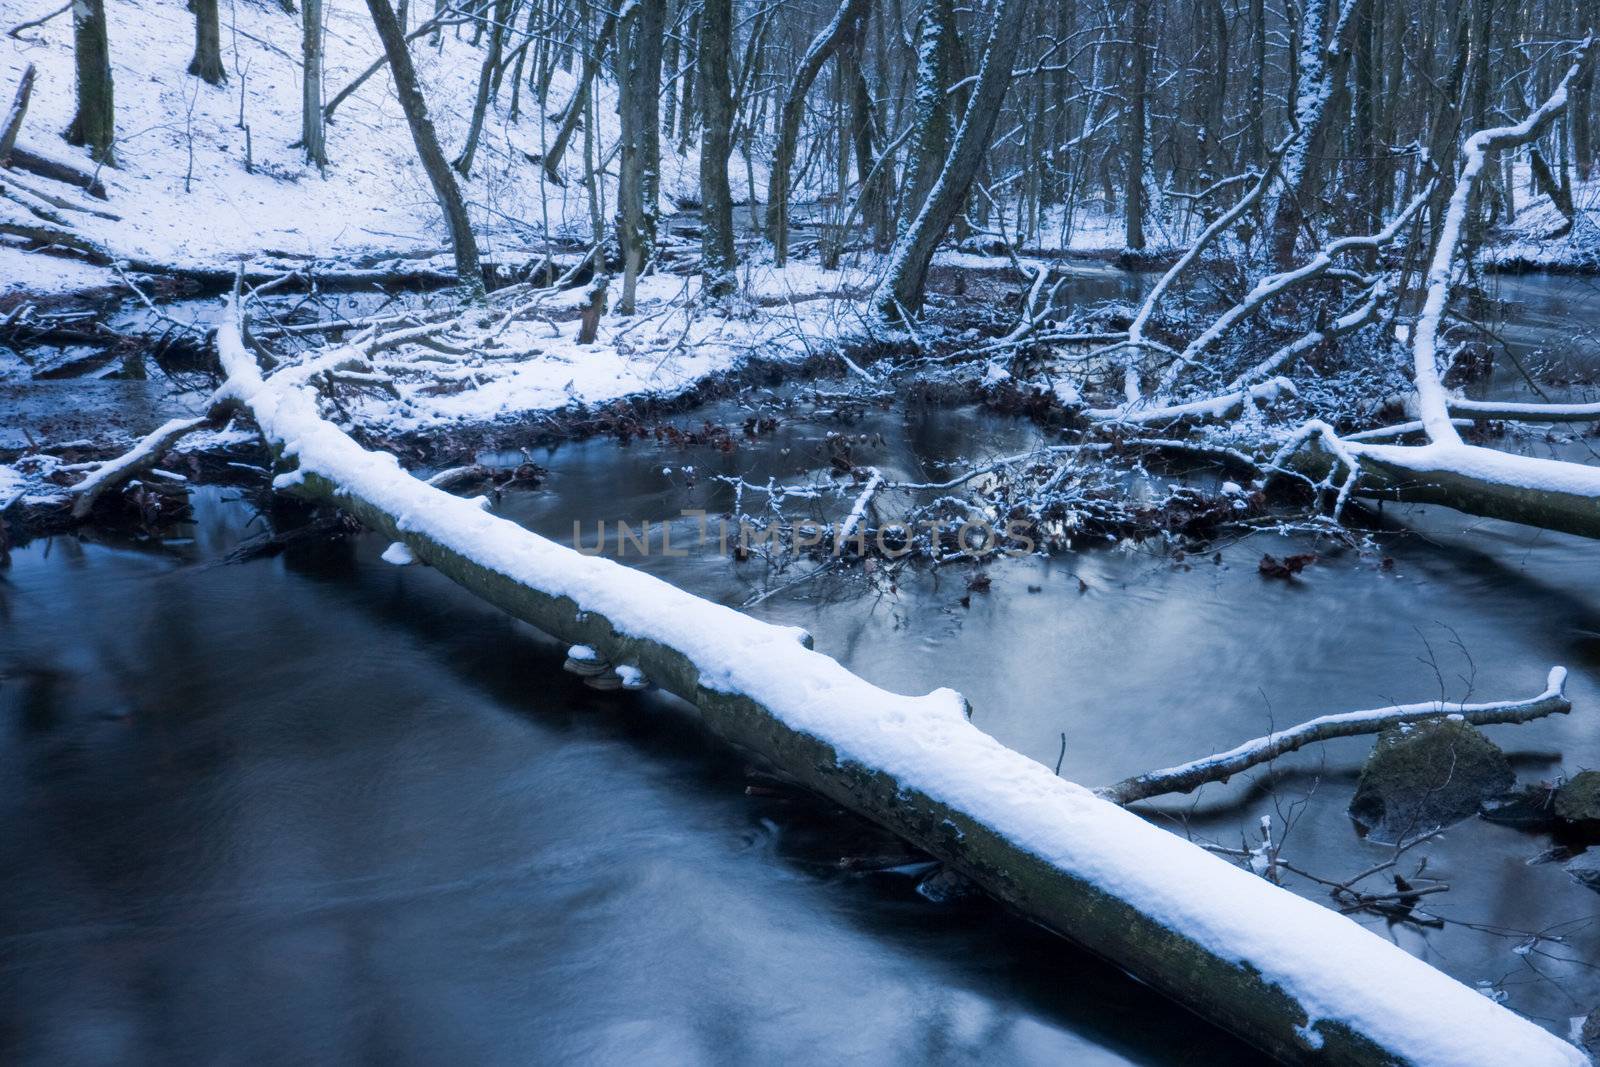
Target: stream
319 808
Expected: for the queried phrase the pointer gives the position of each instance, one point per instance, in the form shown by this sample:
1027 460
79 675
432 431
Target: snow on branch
1432 398
143 456
1187 777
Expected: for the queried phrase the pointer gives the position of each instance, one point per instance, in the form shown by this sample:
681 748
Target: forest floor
209 178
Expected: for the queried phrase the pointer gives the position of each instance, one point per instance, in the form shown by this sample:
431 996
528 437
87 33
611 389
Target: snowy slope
374 194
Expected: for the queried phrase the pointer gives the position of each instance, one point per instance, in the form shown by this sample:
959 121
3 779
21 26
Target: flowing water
318 808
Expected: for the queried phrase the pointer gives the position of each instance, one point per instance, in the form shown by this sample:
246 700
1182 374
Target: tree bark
932 124
451 204
1322 69
717 257
639 168
480 107
312 136
13 120
903 286
1138 91
837 30
94 124
207 62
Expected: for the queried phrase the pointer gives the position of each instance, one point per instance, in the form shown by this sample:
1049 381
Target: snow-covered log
1187 777
1516 411
1547 493
1292 977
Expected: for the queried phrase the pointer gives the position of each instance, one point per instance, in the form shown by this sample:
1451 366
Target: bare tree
207 62
639 32
94 124
902 288
822 48
312 137
717 259
442 178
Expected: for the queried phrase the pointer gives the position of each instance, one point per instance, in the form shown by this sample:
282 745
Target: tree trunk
1321 72
480 107
1138 92
451 205
573 112
1581 114
826 43
933 126
94 124
12 125
639 168
1256 151
907 277
311 120
717 260
207 62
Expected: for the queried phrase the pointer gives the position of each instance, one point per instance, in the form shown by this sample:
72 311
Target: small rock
1589 1036
946 886
1421 776
1585 870
1578 803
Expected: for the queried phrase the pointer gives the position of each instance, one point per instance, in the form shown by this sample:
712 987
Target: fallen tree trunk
45 166
1546 493
1288 975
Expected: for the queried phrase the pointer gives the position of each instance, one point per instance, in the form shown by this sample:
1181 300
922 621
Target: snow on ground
374 194
1527 242
672 343
23 272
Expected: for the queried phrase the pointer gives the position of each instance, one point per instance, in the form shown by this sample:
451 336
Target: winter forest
738 531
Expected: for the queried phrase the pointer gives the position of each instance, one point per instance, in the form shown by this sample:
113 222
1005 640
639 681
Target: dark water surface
325 810
320 809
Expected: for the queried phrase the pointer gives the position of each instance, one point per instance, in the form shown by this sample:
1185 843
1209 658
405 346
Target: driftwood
1187 777
1284 973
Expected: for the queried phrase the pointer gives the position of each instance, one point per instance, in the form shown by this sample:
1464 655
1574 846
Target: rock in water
1531 808
1425 775
1589 1035
1578 804
1585 870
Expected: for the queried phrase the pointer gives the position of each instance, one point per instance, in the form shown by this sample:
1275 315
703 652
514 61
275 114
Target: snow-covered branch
1187 777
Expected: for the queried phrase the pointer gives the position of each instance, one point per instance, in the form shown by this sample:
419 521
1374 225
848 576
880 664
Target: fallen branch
144 455
1507 411
1211 409
46 166
16 31
1282 972
858 510
1187 777
13 120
